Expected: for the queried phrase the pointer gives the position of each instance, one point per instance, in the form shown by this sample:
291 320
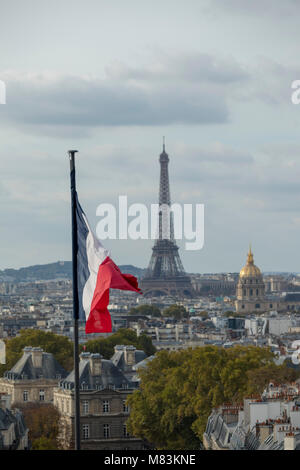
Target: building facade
250 294
33 378
104 388
13 430
267 422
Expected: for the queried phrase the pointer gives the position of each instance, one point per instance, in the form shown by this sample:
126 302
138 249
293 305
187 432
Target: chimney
37 357
5 401
129 355
176 333
157 333
95 363
289 441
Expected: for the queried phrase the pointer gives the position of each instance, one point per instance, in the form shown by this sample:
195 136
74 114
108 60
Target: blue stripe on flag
82 261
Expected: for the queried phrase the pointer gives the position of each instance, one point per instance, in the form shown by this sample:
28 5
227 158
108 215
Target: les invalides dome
250 270
251 288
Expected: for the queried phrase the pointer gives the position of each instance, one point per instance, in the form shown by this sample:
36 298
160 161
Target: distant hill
58 270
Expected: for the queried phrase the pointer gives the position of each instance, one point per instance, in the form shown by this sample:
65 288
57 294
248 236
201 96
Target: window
85 431
25 395
105 406
257 305
125 407
85 407
256 291
42 395
271 305
251 291
106 431
125 432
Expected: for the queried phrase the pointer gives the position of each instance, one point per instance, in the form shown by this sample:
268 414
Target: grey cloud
192 67
102 104
266 8
187 89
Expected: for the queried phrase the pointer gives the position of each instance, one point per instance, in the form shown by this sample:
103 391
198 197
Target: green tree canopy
175 311
179 389
230 313
105 346
146 309
203 314
258 379
42 421
44 443
60 346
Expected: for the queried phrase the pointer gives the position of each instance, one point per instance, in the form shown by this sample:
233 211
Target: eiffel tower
165 274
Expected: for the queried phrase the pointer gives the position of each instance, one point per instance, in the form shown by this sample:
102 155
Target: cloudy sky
110 78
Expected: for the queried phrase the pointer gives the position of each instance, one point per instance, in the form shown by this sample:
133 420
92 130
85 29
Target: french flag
97 273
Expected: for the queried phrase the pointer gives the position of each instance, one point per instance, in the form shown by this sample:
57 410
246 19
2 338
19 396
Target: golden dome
250 270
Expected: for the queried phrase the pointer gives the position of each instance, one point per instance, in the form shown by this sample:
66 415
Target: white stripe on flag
96 254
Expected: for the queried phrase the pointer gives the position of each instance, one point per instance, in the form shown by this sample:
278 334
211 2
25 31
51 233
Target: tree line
178 390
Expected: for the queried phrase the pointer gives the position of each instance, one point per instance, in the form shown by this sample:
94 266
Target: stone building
270 421
33 378
104 388
125 358
13 430
250 292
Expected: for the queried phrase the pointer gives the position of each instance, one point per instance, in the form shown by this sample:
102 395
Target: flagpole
75 297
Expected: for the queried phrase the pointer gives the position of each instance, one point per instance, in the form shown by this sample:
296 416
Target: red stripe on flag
109 277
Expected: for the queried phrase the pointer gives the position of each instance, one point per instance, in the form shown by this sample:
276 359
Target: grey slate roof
217 428
24 368
270 444
8 417
110 377
143 363
119 356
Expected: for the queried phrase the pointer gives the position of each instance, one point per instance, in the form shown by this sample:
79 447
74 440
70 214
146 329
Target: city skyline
111 80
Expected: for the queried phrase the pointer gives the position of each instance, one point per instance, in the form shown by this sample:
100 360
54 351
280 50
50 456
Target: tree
44 443
203 314
105 346
179 389
258 379
60 346
230 313
176 311
149 310
42 421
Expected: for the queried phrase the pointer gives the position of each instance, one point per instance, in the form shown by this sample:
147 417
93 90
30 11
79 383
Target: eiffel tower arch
165 274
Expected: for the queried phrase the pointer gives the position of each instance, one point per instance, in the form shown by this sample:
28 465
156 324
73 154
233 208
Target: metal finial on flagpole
75 297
